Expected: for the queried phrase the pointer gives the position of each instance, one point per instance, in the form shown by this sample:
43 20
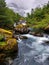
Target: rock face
36 34
22 29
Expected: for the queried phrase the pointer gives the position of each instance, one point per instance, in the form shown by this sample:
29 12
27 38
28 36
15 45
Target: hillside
39 18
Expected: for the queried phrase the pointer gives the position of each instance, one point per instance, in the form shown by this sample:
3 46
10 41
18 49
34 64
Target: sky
24 6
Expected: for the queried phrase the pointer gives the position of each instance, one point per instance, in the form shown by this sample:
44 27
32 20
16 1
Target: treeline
7 16
39 18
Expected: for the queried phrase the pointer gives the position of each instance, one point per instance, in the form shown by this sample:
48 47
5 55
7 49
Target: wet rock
15 36
36 34
23 37
9 60
22 29
47 42
39 35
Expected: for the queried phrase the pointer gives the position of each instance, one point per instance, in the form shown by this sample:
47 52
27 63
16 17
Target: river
32 51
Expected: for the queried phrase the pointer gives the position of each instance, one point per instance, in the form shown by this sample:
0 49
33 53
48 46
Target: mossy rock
9 45
5 31
22 29
2 43
1 37
6 36
20 26
8 48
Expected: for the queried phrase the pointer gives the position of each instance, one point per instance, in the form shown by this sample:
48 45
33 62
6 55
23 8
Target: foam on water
33 51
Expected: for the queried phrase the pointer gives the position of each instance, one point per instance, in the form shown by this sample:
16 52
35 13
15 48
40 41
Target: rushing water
32 51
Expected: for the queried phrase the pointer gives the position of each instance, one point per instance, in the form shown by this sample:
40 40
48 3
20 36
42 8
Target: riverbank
8 45
11 48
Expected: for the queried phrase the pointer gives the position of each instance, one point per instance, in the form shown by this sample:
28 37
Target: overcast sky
23 6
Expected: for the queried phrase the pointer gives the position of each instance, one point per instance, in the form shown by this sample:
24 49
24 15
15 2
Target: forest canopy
7 16
39 17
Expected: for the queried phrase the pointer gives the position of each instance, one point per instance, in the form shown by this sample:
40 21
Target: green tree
2 3
6 16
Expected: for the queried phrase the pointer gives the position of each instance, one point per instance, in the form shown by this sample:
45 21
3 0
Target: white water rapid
32 51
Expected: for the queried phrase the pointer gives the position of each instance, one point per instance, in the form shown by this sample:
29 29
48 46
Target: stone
36 34
23 37
8 45
11 46
21 29
9 49
47 42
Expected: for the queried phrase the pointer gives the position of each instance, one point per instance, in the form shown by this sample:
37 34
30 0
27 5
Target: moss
1 37
20 26
5 31
3 43
9 46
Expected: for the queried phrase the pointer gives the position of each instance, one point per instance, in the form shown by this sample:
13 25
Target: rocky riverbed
31 50
22 49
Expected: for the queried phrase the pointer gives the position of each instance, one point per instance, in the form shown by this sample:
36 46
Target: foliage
39 17
2 3
7 16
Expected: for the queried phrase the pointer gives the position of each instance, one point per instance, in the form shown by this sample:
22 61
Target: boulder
15 36
8 45
36 34
23 37
8 48
22 29
7 36
47 42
